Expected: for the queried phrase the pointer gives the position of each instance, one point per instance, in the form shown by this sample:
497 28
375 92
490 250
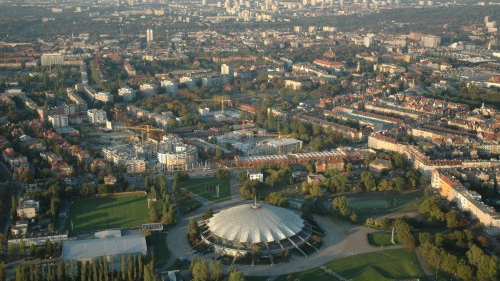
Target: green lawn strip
380 266
256 278
379 239
162 254
107 213
386 265
316 274
206 188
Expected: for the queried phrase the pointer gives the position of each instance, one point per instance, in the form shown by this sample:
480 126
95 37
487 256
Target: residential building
52 59
58 121
97 116
127 93
27 208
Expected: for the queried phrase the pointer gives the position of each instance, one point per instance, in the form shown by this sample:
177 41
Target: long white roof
94 248
247 224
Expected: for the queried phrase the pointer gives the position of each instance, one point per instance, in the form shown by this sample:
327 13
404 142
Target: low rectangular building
112 249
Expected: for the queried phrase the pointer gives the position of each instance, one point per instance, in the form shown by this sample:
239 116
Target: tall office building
149 35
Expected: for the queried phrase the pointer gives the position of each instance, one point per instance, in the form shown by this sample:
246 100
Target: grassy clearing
107 213
379 239
186 206
378 266
206 188
162 254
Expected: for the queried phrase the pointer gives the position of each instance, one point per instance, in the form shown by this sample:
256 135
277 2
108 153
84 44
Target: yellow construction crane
220 99
147 129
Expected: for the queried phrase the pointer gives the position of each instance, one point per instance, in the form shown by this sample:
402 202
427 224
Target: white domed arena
237 231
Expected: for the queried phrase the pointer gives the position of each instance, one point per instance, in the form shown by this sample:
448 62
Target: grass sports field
378 266
107 213
206 188
373 205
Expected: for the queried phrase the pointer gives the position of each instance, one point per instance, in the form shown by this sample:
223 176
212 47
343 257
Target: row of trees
203 270
158 190
336 181
131 268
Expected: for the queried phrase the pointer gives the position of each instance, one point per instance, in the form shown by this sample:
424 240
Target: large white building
238 230
178 157
97 116
467 200
58 121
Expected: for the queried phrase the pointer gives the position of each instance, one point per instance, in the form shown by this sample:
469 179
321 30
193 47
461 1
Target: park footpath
343 239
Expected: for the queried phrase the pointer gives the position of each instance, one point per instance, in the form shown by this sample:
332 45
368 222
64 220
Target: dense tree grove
464 260
340 207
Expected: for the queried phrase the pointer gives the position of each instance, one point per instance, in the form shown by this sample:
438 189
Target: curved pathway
342 239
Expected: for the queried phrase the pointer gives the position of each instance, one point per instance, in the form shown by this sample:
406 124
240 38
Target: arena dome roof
250 223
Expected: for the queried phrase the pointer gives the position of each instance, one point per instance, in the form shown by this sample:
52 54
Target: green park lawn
378 266
379 239
206 188
107 213
162 254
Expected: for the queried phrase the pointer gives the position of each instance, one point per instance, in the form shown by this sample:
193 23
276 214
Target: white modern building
181 158
58 121
97 116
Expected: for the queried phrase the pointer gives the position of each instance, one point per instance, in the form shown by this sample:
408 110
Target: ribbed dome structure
248 224
238 230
